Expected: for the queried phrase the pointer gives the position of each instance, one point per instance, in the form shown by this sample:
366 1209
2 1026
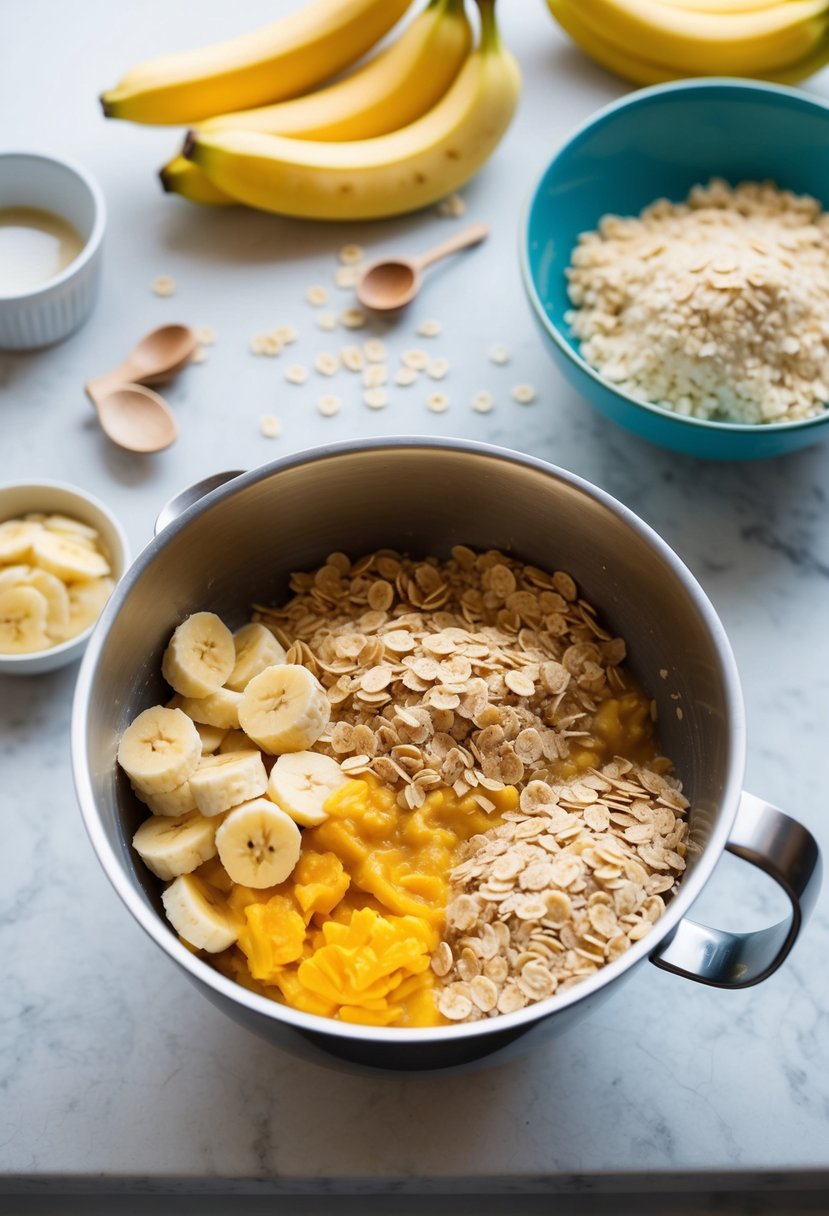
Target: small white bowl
54 310
58 498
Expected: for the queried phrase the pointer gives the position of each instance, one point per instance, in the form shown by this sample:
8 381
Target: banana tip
189 144
105 105
165 181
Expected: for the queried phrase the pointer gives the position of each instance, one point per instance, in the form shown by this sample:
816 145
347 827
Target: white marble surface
111 1066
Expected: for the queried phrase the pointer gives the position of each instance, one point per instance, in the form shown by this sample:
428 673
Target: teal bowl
658 143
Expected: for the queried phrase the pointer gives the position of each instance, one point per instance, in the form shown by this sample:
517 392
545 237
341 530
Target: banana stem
490 38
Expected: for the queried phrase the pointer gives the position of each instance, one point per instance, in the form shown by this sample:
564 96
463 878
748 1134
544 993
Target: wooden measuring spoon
392 283
158 356
137 419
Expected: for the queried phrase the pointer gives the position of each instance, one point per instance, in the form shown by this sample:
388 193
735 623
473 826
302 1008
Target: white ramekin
49 313
58 498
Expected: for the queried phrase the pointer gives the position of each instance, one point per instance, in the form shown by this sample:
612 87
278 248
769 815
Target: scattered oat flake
199 355
437 369
326 321
375 350
316 296
376 398
438 403
353 318
417 360
405 376
351 255
325 363
498 354
270 426
257 343
286 334
206 335
346 276
482 402
375 375
164 285
271 346
524 394
296 373
452 207
352 358
428 329
329 405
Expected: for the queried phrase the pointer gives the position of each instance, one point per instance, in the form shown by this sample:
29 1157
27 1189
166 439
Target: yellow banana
396 87
279 61
388 175
652 40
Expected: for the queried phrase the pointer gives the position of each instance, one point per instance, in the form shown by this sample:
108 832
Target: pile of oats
717 308
565 885
473 673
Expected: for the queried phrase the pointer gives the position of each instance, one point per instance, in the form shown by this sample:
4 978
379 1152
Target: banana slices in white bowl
61 553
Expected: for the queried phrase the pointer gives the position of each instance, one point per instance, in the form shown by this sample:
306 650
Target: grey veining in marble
110 1063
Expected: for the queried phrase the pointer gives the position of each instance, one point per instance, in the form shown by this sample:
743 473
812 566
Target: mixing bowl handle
786 851
180 502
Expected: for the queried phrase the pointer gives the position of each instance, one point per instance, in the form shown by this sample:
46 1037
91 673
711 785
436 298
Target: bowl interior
30 180
658 145
241 544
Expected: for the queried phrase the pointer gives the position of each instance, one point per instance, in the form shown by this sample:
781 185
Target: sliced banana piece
172 846
68 557
71 527
301 783
200 914
160 749
86 603
237 741
17 537
15 576
23 615
211 736
57 600
200 655
284 709
256 649
220 708
173 803
222 782
258 844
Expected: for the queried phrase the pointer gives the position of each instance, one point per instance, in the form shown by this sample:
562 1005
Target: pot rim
114 864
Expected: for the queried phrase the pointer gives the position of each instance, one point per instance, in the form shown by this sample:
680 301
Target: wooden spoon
137 419
158 356
392 283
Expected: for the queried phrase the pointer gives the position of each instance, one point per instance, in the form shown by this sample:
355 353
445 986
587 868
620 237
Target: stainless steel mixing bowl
239 543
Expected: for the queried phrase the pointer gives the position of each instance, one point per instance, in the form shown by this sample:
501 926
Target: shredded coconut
716 308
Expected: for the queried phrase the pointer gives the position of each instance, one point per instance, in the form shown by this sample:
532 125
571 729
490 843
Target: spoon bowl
137 419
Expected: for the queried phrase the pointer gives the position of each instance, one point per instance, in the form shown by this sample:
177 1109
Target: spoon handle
472 235
101 386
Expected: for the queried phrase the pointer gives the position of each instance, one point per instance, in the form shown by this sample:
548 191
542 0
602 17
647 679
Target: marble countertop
112 1067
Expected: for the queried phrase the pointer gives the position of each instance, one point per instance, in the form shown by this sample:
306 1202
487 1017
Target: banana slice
16 539
200 656
256 649
23 615
57 601
170 847
222 782
86 603
15 576
70 527
211 736
220 708
200 914
258 844
173 803
160 749
237 741
284 709
69 557
302 782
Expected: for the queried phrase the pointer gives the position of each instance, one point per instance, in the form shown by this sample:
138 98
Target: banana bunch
198 765
407 128
650 41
